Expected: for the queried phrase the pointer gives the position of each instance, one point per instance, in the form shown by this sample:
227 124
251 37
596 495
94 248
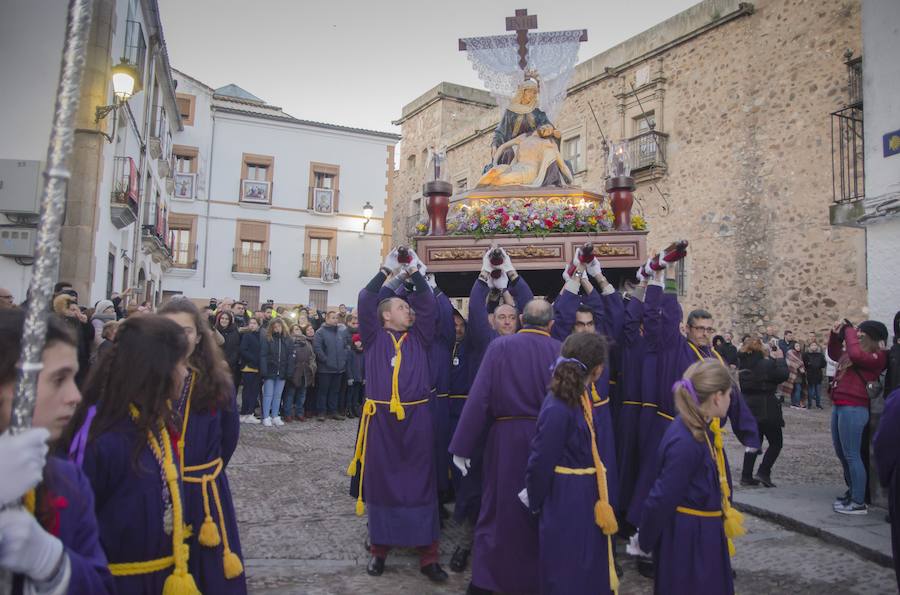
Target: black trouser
250 396
771 432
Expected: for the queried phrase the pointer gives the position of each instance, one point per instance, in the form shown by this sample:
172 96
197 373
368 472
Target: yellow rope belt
665 415
442 395
638 403
210 535
362 441
649 405
570 471
135 568
515 417
604 516
712 514
601 403
733 519
458 396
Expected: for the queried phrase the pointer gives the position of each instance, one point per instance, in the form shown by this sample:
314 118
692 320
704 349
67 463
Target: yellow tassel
180 584
232 565
351 468
209 533
29 500
360 507
731 549
734 523
401 413
605 517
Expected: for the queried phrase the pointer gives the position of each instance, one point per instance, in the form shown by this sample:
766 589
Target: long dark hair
213 386
138 369
570 377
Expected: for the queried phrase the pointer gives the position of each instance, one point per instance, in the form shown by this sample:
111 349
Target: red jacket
849 388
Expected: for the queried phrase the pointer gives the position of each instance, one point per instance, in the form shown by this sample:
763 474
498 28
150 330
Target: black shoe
749 481
646 567
619 570
435 573
376 566
765 480
443 513
460 559
473 590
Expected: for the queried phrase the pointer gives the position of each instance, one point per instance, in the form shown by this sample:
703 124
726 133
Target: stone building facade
738 159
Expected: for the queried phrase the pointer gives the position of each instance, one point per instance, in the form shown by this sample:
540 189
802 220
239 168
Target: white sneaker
252 419
277 420
267 422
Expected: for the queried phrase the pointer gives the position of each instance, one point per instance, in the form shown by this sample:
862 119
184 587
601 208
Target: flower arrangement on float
529 219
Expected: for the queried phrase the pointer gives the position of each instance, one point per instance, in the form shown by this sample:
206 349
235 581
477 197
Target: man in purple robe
503 403
472 339
675 354
395 446
633 351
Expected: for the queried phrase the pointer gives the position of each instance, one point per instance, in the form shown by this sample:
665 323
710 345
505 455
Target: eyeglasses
6 297
705 329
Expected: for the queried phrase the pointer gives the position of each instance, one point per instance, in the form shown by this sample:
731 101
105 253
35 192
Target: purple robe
399 477
691 552
212 435
626 428
675 355
504 403
887 456
128 503
604 308
78 530
439 361
573 550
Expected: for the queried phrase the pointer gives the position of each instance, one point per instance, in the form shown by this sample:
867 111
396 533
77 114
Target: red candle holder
621 197
437 205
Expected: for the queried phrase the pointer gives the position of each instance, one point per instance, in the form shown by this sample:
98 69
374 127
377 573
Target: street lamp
368 211
124 80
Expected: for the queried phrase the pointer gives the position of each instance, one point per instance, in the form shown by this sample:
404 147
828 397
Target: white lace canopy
552 54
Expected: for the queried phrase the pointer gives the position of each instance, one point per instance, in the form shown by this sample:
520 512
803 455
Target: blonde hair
706 377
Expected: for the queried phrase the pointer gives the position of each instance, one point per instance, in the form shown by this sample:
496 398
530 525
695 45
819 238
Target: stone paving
300 534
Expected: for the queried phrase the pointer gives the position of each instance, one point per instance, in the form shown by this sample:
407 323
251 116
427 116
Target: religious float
526 201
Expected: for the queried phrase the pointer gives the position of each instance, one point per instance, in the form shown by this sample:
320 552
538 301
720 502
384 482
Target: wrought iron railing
320 267
648 149
847 155
126 182
256 262
855 82
184 255
135 50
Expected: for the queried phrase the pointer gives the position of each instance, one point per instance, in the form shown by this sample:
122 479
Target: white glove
507 266
349 382
25 548
593 268
22 459
462 463
633 548
486 265
416 262
523 496
391 262
431 282
500 283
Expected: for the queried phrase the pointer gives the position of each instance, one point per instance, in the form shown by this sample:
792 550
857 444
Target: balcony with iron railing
321 268
126 190
184 255
251 262
854 81
155 232
848 171
648 151
135 50
160 143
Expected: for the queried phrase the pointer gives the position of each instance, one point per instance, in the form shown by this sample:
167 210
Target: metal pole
53 199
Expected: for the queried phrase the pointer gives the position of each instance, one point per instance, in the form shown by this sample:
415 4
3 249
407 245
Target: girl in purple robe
687 521
52 544
124 437
566 478
208 428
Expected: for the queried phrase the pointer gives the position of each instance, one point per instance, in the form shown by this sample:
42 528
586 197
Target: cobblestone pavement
300 535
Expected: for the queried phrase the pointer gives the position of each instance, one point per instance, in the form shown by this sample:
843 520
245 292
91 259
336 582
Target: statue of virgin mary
521 117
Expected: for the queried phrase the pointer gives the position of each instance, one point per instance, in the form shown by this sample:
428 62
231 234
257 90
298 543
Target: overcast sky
356 62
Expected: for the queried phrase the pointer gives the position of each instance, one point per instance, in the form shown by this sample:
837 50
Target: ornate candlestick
620 185
437 190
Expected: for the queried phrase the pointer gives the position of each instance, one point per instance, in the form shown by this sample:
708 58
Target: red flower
549 223
505 218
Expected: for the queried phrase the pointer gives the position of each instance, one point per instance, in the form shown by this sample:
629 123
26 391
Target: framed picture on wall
184 185
255 191
323 201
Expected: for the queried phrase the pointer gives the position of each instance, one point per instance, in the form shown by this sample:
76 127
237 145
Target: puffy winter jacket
276 357
330 346
759 377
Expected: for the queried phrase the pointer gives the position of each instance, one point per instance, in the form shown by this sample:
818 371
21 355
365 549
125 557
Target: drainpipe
212 145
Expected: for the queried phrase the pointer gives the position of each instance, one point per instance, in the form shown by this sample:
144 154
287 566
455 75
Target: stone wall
745 98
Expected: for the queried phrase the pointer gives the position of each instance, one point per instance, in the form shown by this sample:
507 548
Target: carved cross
521 23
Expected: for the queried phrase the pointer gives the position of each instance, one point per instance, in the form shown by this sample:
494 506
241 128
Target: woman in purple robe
53 544
208 430
126 443
566 478
687 521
